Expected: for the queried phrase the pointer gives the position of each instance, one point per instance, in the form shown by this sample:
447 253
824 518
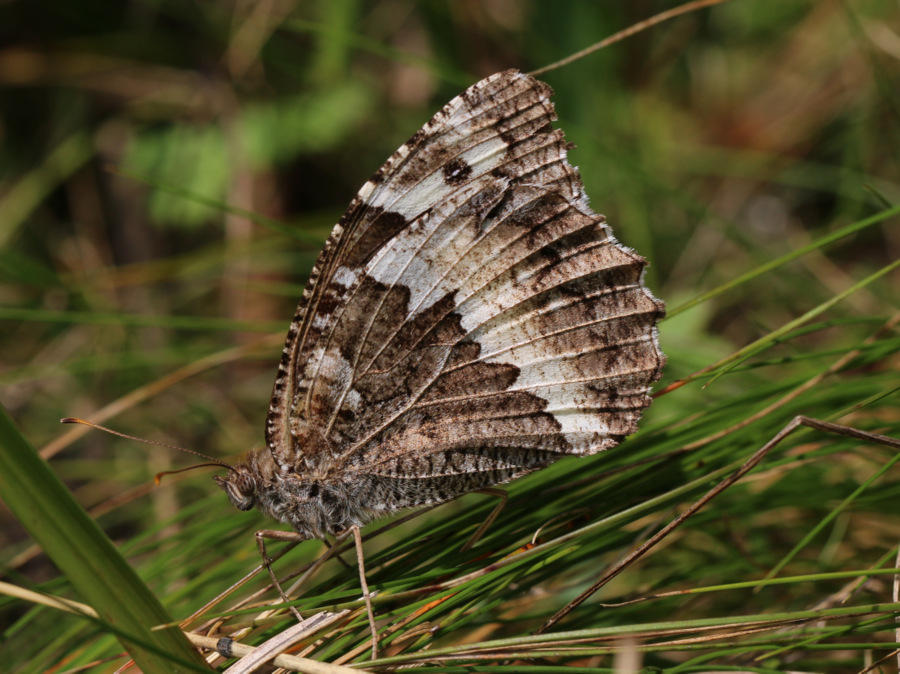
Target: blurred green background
144 146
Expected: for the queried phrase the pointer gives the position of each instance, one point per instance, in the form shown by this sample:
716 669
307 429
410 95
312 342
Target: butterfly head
250 480
240 486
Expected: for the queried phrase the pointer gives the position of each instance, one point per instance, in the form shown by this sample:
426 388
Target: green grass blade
852 228
81 550
32 189
768 340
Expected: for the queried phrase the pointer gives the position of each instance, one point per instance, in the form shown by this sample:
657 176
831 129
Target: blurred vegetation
169 170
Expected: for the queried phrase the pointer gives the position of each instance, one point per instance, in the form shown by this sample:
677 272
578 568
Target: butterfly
469 320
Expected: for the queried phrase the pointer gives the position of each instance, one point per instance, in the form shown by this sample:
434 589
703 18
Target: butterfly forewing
470 318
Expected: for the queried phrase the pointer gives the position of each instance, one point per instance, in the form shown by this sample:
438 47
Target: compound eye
239 487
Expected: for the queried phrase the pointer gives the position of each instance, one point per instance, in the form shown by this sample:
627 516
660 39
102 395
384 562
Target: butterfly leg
490 491
276 535
365 588
357 539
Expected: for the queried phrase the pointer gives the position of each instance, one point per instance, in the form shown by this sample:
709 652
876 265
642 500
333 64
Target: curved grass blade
90 561
852 228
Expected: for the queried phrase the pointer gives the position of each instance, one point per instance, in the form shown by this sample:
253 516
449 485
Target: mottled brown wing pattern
470 318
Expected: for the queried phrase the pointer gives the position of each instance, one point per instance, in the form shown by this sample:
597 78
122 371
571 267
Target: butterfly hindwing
470 318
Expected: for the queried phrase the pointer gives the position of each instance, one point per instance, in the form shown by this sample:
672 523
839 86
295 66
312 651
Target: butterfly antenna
212 460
